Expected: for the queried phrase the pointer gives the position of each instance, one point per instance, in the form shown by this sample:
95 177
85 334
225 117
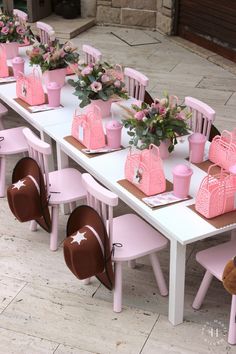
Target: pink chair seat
14 141
68 183
215 258
137 237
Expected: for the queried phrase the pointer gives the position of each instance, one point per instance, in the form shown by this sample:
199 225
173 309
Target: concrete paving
45 309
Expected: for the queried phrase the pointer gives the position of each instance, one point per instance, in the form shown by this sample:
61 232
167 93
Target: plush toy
229 276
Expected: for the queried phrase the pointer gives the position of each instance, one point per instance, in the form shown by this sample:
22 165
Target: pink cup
181 178
54 94
18 64
113 132
196 147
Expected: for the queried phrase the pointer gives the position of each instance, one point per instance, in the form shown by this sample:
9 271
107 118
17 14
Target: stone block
116 3
168 3
142 18
166 12
106 14
139 4
164 23
88 8
104 2
159 4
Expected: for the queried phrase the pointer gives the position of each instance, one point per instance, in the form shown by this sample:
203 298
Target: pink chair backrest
202 116
39 151
136 83
92 55
102 200
23 17
46 32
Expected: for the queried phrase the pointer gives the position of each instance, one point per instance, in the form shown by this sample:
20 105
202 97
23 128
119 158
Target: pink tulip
139 115
117 83
5 30
1 24
96 86
87 71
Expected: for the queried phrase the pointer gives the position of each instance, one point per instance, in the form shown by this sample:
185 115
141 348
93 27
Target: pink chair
23 17
136 83
202 118
46 32
12 142
130 236
214 260
92 55
63 186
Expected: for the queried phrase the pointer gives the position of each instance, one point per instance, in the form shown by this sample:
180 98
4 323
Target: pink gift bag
216 194
4 72
223 149
144 169
87 128
30 89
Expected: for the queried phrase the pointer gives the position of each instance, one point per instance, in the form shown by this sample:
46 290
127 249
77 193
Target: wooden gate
209 23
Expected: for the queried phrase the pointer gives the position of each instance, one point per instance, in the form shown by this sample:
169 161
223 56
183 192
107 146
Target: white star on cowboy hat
78 237
19 184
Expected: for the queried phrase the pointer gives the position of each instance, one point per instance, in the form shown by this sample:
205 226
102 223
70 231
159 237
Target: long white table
177 222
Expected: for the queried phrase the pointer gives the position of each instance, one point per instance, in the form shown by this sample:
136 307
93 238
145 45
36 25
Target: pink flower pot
57 75
105 106
163 149
11 49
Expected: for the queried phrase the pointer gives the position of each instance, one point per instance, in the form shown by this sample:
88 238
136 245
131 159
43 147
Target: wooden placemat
26 105
205 165
130 187
219 221
70 139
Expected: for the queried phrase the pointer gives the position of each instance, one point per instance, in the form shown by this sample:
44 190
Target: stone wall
153 14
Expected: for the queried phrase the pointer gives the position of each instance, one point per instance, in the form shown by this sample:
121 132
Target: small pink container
113 132
54 93
18 65
196 147
181 178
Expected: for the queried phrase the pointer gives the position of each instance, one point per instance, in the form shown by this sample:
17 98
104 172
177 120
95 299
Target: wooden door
209 23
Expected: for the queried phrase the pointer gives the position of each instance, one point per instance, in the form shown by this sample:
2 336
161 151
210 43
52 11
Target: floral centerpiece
98 82
13 30
164 120
53 56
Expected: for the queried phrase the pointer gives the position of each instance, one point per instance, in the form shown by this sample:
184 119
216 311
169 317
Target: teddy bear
229 276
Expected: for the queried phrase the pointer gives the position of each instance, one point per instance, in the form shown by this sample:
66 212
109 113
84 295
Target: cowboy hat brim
79 218
28 166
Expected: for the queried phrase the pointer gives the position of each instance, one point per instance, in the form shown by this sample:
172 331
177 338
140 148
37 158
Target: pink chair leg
158 274
1 123
132 263
86 281
54 233
206 281
232 324
72 206
33 225
2 176
117 295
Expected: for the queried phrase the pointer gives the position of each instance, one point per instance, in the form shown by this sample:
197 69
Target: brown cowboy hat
27 196
87 249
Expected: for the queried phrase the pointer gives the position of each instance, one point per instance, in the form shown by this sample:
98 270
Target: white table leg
48 140
177 282
62 162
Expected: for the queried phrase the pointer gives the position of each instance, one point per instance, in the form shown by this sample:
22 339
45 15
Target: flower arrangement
13 30
98 81
52 56
164 119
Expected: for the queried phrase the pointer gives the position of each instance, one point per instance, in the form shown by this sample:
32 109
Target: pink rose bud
139 115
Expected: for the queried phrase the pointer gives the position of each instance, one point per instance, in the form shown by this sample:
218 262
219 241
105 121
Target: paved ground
45 309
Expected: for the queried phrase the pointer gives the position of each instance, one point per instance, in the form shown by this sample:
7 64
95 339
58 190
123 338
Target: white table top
174 221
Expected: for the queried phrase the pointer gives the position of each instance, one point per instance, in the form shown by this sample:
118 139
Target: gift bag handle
118 67
227 134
